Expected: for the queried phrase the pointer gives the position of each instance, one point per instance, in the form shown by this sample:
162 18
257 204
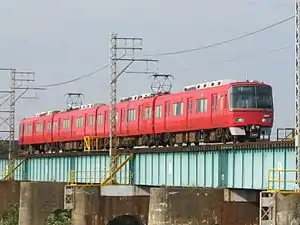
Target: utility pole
130 45
297 83
15 78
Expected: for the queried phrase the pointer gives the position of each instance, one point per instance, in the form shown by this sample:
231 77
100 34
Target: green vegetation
11 217
58 218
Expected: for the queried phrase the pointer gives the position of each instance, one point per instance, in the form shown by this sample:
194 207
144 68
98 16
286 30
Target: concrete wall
92 208
38 200
288 209
9 193
191 206
198 206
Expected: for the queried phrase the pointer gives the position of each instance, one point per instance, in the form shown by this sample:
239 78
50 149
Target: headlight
266 120
238 120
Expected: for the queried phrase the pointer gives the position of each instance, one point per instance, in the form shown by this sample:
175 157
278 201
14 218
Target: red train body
219 111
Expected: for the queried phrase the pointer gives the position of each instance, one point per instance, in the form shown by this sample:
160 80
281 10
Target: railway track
200 147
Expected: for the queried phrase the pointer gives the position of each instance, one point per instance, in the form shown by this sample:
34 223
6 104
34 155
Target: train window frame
221 102
214 102
55 126
99 119
201 105
92 120
148 112
106 117
167 108
178 108
49 125
131 115
123 115
140 112
158 111
66 124
29 129
190 105
79 122
39 127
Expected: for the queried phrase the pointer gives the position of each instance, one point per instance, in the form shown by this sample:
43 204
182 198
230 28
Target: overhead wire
75 79
237 58
223 42
175 52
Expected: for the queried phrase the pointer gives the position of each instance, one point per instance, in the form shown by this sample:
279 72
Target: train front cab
250 111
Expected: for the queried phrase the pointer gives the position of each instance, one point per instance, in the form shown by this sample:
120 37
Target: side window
122 115
221 102
49 126
190 105
201 105
158 111
39 128
106 117
66 124
100 119
140 112
92 120
29 129
131 115
178 108
55 126
148 113
79 122
214 102
167 108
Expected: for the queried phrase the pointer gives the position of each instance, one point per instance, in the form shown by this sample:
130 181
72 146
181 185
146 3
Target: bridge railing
95 177
283 181
285 134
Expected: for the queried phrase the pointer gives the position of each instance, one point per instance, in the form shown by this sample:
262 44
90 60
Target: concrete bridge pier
110 205
38 200
287 209
195 206
86 206
9 193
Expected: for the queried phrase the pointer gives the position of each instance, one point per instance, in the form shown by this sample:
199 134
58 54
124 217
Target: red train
218 111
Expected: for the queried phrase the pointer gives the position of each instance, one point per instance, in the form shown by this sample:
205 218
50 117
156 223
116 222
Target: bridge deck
233 166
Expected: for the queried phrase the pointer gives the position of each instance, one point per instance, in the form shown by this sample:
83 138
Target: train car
218 111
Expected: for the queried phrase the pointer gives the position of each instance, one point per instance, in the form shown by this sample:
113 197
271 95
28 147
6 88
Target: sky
61 40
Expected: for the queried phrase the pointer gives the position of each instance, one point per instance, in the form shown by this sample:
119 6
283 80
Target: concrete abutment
287 209
38 200
132 205
9 194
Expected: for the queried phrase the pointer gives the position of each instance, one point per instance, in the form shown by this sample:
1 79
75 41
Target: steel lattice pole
113 92
12 115
297 84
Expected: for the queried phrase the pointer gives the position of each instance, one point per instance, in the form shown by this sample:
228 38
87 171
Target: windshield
259 97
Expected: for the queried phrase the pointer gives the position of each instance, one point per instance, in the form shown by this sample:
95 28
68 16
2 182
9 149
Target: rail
283 181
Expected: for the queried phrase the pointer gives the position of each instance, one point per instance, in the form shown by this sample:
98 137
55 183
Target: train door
140 118
214 110
21 133
189 111
122 121
166 115
223 109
